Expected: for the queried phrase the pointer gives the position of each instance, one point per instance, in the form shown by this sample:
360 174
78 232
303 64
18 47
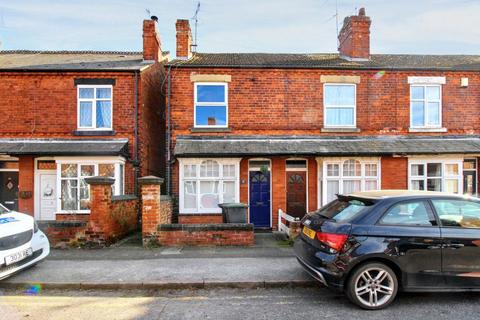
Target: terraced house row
274 131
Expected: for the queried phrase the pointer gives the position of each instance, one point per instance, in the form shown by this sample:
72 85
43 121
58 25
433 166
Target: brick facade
42 103
288 101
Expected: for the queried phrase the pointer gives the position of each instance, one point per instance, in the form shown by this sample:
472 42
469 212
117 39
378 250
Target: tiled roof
332 60
71 60
57 147
193 146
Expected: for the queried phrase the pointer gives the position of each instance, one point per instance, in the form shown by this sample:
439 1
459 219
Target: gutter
70 70
352 68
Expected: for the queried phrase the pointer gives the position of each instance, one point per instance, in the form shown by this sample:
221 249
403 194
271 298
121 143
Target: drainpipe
135 131
168 138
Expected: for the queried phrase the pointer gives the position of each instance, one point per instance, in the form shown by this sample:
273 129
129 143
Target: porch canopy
209 146
64 147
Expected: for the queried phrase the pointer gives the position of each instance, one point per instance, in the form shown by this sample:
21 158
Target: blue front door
260 199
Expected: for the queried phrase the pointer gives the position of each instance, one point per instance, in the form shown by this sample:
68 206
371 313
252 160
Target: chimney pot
361 12
154 18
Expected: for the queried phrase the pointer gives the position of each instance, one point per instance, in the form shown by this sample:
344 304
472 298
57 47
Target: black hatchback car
372 244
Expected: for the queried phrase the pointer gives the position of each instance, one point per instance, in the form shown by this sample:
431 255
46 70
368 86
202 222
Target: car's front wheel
372 286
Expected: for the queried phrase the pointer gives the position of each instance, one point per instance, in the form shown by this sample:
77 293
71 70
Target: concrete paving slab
164 273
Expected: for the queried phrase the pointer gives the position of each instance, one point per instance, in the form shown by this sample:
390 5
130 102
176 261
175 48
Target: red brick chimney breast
184 39
354 38
151 40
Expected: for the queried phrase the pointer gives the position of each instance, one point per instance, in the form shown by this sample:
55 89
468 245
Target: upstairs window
425 106
95 107
211 105
340 105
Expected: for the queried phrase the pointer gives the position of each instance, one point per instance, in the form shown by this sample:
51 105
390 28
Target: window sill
427 130
74 213
333 130
94 132
210 129
200 214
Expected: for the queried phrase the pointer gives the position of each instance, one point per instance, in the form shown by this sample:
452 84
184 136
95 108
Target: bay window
345 176
204 183
75 192
436 175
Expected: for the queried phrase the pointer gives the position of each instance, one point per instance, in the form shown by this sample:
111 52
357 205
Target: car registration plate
17 256
309 232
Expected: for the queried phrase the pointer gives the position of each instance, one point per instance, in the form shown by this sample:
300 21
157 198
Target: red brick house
289 131
68 115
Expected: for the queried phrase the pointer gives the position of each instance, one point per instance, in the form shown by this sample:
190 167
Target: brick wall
394 173
110 217
26 184
354 37
155 208
200 218
184 39
152 121
63 233
206 235
48 104
290 102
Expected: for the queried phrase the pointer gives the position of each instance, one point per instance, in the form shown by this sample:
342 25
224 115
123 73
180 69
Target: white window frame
118 185
198 179
354 106
212 104
341 177
94 106
425 101
443 177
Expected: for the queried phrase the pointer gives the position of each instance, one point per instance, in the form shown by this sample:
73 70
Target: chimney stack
354 38
184 39
151 40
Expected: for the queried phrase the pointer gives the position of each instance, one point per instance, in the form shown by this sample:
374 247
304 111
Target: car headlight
35 226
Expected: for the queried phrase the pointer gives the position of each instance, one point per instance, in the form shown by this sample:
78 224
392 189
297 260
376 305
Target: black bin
234 212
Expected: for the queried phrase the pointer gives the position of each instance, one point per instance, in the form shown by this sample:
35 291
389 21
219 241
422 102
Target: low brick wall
63 233
224 234
111 217
199 218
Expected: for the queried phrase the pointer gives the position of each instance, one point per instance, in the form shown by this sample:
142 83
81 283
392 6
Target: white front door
48 191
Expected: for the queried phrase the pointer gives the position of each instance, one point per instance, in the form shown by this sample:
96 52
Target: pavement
127 265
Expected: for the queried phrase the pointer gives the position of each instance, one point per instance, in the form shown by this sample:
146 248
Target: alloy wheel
374 287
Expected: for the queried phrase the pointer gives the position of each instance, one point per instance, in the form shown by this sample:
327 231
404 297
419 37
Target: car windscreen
344 209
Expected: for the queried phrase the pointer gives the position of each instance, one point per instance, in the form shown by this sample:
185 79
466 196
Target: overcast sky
399 26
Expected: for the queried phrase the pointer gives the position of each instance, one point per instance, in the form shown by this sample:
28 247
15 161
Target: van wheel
372 286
